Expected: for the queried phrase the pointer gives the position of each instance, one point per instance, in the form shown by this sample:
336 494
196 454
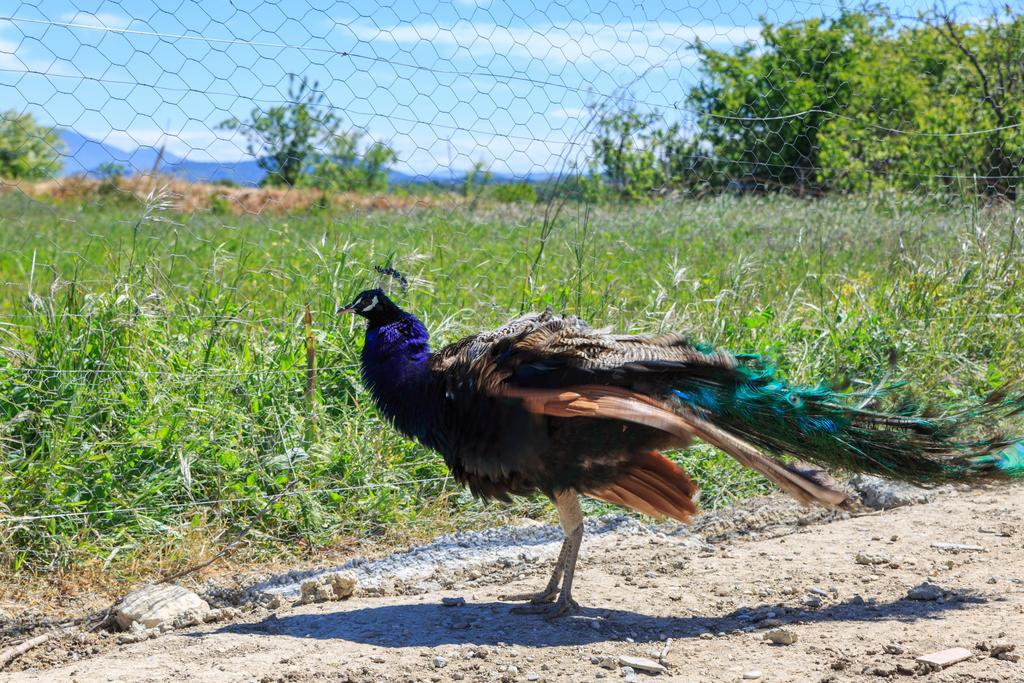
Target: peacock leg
550 592
570 518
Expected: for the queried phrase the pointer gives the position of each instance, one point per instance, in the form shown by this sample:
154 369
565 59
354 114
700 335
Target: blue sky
446 83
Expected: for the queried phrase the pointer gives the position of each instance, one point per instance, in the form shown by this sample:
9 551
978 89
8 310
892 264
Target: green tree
762 107
111 170
284 139
342 168
476 180
636 158
28 151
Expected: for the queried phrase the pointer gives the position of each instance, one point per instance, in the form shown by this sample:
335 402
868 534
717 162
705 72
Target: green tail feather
831 429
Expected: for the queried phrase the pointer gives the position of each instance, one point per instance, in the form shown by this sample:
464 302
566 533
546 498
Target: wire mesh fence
179 182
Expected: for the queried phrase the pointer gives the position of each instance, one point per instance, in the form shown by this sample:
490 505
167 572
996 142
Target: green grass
156 361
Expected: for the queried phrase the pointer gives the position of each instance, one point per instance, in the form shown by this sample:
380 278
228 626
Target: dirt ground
701 603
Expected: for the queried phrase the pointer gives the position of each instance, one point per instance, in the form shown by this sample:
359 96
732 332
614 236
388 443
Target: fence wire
180 183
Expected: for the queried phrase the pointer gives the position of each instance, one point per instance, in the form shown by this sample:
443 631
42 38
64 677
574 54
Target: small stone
812 601
926 592
752 675
439 662
458 676
628 671
707 635
605 662
819 591
453 602
870 559
883 494
780 636
944 658
328 587
642 664
1004 651
958 548
532 676
893 649
771 622
156 605
905 669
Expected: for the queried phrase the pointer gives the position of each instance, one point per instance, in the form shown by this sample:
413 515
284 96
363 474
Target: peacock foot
552 610
537 598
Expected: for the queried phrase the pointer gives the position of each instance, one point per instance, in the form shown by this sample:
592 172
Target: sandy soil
699 602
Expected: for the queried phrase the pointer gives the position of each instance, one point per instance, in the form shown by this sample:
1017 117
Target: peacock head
375 306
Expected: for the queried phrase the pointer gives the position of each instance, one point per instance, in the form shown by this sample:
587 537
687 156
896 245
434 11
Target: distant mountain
84 155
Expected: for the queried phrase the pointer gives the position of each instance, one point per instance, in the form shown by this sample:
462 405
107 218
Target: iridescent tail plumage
833 429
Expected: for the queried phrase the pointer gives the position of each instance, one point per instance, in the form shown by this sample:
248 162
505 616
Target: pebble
870 559
751 675
453 602
893 649
707 635
159 604
327 587
641 664
812 601
781 636
1004 651
926 591
532 676
882 494
958 548
940 660
440 662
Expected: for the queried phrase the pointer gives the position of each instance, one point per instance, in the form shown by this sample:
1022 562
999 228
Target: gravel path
700 601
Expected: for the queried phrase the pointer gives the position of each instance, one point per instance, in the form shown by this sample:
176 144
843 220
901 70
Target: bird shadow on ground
490 623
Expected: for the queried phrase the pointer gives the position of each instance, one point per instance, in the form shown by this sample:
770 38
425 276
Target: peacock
548 404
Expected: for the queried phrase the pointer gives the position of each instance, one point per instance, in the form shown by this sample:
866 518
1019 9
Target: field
153 362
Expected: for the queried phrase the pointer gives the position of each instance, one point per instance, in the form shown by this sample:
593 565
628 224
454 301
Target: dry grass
188 197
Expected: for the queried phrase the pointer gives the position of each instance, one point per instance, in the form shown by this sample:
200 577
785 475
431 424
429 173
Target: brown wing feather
655 486
617 403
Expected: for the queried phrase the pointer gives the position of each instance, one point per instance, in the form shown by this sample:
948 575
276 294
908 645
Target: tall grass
153 364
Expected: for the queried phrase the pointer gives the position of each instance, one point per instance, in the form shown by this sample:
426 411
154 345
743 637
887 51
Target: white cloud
99 19
650 43
17 57
195 144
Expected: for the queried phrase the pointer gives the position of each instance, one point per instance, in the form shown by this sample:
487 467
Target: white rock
751 675
155 605
926 591
781 636
327 587
641 664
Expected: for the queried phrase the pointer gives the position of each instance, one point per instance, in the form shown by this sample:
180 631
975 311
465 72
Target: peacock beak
346 309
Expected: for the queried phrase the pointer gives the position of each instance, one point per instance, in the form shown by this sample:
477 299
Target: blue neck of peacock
395 367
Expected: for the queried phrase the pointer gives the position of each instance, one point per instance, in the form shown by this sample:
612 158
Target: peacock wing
557 366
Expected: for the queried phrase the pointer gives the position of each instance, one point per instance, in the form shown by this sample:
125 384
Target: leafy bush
28 151
512 193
